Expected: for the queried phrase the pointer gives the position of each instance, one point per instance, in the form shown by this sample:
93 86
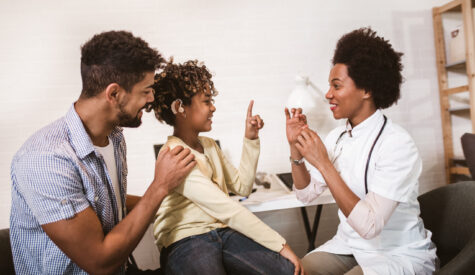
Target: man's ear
112 92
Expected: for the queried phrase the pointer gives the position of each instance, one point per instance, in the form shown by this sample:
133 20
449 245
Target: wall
255 49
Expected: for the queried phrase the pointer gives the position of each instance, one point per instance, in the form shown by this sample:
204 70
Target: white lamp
311 99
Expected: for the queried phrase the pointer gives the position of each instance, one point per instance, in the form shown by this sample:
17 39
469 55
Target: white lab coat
403 246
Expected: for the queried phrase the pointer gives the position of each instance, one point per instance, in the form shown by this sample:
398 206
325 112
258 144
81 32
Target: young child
198 228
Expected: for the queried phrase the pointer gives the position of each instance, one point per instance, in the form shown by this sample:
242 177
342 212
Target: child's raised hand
253 123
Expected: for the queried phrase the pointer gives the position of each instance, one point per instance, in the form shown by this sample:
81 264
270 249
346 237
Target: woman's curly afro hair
372 64
179 81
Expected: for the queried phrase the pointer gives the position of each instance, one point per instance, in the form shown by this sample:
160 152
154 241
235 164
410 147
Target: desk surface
279 196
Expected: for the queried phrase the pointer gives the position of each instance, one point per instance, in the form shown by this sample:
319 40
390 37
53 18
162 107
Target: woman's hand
287 253
294 124
253 123
312 148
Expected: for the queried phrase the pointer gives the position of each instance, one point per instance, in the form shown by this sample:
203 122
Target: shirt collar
80 140
366 125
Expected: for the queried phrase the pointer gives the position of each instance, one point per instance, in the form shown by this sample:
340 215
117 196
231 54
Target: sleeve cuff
254 142
279 244
370 214
358 215
310 192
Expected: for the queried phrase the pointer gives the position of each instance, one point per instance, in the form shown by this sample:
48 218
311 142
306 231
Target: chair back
6 258
449 212
468 147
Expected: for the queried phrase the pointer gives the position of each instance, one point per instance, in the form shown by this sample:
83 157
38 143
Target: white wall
255 48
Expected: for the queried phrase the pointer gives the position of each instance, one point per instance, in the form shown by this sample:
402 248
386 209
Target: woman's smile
333 106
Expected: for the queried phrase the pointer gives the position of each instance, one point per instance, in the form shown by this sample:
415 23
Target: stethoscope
370 152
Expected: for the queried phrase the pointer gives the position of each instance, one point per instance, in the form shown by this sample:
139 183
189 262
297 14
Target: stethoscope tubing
370 152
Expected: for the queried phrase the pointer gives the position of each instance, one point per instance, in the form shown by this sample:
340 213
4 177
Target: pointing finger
249 109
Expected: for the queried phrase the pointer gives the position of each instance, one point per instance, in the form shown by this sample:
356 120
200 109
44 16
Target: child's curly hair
372 63
179 81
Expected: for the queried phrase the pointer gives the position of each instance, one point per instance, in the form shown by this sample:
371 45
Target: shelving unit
454 166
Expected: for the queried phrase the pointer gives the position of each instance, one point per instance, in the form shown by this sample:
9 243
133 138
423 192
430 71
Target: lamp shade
307 96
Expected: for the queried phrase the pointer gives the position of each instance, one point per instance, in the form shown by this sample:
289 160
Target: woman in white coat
370 165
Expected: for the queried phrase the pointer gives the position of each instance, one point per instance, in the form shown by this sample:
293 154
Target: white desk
278 196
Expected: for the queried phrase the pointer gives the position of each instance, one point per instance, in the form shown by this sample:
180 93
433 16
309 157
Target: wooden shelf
459 170
459 109
459 162
453 6
456 66
456 90
453 166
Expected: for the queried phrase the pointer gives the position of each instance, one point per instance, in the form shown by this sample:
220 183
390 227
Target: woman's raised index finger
287 114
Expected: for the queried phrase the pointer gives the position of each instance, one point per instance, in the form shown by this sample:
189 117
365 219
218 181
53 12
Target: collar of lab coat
366 125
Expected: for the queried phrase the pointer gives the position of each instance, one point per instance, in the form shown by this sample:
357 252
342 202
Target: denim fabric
222 251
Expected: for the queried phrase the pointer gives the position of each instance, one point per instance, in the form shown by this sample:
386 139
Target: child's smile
200 111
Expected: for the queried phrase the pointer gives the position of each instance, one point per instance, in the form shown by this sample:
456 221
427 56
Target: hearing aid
180 107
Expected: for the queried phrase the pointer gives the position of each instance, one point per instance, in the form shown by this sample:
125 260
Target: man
69 179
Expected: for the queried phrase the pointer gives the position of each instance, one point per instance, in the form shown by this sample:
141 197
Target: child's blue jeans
222 251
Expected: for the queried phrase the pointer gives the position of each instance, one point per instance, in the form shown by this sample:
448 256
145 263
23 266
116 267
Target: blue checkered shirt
56 174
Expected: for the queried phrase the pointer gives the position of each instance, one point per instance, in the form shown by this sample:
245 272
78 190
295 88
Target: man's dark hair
372 64
115 57
179 81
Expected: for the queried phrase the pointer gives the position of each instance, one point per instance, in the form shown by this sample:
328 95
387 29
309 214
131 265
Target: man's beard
126 120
